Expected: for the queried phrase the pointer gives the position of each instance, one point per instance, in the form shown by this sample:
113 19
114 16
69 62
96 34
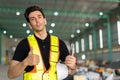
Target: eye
32 19
39 16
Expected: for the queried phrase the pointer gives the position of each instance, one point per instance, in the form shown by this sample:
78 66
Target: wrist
25 63
73 68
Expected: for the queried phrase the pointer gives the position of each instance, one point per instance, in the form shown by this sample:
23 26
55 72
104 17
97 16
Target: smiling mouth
37 24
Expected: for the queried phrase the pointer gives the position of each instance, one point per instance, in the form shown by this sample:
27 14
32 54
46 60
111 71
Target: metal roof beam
110 0
57 22
82 15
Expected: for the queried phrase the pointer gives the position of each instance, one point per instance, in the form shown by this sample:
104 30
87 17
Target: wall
7 45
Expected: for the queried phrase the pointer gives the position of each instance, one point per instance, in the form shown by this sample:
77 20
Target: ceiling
73 14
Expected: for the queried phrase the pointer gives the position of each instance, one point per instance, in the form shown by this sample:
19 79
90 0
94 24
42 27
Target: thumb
72 51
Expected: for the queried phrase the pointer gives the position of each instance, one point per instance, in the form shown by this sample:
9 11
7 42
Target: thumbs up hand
70 61
31 59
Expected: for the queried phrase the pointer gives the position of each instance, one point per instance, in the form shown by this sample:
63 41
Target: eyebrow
38 15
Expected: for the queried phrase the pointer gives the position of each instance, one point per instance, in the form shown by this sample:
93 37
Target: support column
109 40
79 40
0 46
94 43
85 43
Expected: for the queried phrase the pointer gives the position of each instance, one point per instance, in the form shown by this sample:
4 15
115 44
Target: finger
72 51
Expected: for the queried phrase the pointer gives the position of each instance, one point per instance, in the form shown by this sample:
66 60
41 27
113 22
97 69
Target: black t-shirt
23 49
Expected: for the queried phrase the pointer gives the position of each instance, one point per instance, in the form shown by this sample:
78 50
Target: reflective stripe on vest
39 72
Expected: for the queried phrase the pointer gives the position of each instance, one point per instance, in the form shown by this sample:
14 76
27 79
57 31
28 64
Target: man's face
37 21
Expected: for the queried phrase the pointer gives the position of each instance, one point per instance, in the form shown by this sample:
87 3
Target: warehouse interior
90 27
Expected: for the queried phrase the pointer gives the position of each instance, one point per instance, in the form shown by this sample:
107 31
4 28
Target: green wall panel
0 46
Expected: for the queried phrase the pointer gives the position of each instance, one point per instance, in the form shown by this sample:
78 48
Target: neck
42 34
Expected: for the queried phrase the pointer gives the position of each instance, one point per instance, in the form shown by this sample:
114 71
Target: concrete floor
3 73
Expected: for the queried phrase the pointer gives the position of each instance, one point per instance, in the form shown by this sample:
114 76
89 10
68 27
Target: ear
29 25
45 21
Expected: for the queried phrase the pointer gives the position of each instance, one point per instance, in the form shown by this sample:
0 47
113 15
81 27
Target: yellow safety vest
39 72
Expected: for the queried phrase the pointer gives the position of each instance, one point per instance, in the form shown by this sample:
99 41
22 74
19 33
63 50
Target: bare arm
16 68
72 71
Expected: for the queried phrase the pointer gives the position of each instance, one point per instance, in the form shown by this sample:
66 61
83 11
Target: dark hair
31 9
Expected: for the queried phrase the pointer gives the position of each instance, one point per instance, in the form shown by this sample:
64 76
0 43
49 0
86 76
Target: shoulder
21 51
55 37
23 42
61 42
23 46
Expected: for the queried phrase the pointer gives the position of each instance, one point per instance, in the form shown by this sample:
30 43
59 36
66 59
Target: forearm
16 70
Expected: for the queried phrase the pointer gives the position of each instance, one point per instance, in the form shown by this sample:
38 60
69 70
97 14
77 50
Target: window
118 28
82 45
101 38
77 46
90 42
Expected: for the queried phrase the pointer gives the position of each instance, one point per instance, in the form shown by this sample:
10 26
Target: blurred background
92 27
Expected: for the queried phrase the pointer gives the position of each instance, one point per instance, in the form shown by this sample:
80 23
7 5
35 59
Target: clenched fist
31 59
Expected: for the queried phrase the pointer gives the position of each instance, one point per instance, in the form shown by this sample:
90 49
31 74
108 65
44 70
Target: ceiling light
53 24
24 25
28 31
86 24
4 32
56 13
13 48
50 31
11 36
78 31
17 13
100 13
15 40
83 57
72 36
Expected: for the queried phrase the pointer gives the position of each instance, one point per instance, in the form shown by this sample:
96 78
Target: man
38 54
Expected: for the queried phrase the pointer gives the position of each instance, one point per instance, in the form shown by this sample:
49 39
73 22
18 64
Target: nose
37 20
